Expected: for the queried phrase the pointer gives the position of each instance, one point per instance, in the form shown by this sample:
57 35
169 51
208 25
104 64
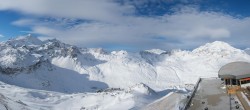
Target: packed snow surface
51 74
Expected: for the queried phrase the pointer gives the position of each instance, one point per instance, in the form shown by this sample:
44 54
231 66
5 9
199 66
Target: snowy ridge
155 68
142 88
216 48
24 40
55 66
17 98
156 51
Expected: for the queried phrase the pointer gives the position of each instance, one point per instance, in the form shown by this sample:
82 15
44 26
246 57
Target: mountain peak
218 44
215 46
156 51
27 37
25 40
218 47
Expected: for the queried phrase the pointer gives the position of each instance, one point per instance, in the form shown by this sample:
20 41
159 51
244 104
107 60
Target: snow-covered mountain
51 65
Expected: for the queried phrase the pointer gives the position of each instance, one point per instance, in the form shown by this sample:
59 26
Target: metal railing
187 104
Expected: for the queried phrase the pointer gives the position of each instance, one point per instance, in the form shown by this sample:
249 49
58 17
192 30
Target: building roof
236 70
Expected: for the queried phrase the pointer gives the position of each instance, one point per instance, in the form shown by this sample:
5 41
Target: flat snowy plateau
51 75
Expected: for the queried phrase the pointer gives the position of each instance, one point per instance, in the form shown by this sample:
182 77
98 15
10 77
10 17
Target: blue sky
129 24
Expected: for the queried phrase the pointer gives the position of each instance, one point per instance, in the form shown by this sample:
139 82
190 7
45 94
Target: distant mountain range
55 66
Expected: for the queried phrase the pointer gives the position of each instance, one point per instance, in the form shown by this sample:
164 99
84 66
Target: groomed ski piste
51 75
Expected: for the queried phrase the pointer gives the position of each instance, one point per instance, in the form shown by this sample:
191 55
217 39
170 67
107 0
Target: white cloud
112 23
140 31
100 10
1 36
24 22
44 30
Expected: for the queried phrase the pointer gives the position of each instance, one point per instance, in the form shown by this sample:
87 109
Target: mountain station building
235 74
